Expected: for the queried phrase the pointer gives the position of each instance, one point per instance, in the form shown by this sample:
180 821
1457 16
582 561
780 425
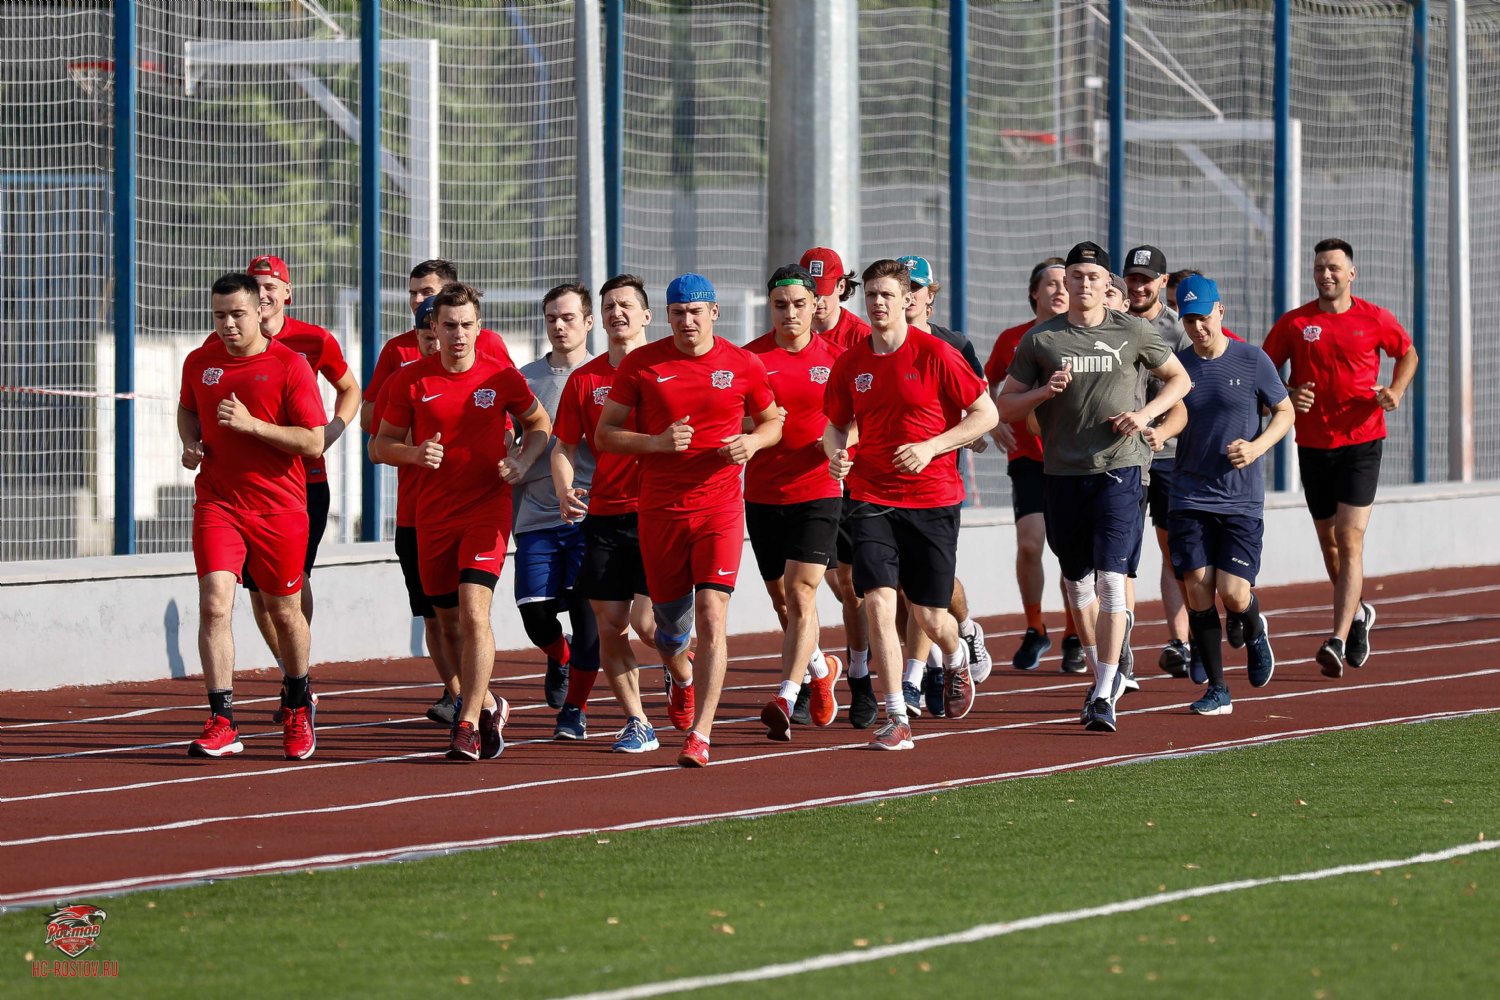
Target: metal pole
1418 392
958 163
125 276
1283 276
369 239
614 134
1460 331
588 100
1116 129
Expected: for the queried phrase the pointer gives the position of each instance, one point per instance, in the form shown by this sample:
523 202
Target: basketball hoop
1023 145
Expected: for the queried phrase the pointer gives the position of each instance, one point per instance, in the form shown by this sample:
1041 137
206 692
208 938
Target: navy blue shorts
1230 543
1094 521
547 562
1026 489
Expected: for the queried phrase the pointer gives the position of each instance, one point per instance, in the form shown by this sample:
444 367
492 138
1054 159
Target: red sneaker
299 738
491 743
679 705
694 751
823 704
777 720
958 691
465 742
220 739
892 736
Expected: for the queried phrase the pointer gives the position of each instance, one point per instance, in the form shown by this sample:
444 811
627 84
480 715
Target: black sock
1249 619
222 703
294 691
1207 633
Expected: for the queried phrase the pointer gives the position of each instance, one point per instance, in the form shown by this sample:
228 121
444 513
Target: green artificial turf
601 912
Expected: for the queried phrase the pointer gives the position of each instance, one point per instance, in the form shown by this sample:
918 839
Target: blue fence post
369 240
1419 24
125 276
614 134
1281 293
958 163
1116 131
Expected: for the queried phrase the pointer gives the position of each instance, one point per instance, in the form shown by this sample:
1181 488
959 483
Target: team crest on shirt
863 382
1312 333
484 398
211 376
601 395
722 379
819 374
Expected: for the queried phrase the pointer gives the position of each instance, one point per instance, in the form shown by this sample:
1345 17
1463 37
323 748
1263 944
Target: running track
100 797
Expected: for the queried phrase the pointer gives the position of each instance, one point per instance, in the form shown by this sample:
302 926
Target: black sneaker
1034 645
1073 661
555 686
801 713
863 708
932 692
1174 658
1331 657
1357 649
1234 631
1101 717
1127 657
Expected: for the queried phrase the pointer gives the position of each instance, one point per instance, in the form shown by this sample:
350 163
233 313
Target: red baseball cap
825 267
274 266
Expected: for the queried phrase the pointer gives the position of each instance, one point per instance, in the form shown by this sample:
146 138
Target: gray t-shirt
1077 439
1169 326
534 498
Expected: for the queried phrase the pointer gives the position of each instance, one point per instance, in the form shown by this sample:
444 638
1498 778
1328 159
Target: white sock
818 664
1104 679
895 705
859 663
914 670
955 659
1359 612
967 625
788 694
683 684
1091 657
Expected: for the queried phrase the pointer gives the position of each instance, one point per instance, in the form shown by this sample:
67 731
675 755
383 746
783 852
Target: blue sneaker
932 691
1215 701
636 737
1260 661
572 724
1087 714
1033 645
1196 670
1101 716
913 698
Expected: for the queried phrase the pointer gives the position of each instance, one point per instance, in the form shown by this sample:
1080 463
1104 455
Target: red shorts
684 552
271 546
445 552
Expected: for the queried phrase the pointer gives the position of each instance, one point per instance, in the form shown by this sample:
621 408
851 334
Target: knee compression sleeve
539 618
1080 593
674 625
1111 587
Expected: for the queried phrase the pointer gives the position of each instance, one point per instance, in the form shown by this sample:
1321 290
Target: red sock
580 686
557 649
1034 618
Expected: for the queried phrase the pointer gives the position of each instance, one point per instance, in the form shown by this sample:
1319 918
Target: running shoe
572 724
777 720
1086 715
1215 701
894 735
1331 657
802 707
679 704
864 709
1197 672
1127 654
636 737
280 714
555 683
1034 646
980 663
1260 661
958 691
299 734
823 702
694 751
220 739
913 698
1174 658
491 721
1101 717
934 690
441 711
1073 660
1357 648
464 744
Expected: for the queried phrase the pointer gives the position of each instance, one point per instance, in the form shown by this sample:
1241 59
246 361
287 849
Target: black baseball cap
1146 260
1088 252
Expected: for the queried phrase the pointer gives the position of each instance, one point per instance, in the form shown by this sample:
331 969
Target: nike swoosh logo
411 362
435 395
484 558
291 583
776 372
665 378
725 572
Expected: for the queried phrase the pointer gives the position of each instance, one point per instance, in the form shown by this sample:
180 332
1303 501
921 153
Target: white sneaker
980 663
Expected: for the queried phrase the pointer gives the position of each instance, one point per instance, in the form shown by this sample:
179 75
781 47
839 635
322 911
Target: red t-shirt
1340 354
240 471
325 357
912 394
795 470
715 392
848 331
1028 445
616 486
470 410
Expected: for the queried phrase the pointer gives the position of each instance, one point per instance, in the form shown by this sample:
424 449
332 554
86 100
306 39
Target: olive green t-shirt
1077 439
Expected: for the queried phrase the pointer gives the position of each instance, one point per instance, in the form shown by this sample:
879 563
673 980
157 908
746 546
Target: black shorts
406 554
1159 492
1026 490
1333 476
804 532
612 568
845 542
911 549
319 498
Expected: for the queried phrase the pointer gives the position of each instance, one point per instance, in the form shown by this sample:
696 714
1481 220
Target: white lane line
655 769
414 851
986 932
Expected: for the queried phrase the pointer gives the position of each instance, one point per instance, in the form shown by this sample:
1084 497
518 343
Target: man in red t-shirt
913 398
247 414
792 505
690 395
1334 345
326 358
1048 295
456 405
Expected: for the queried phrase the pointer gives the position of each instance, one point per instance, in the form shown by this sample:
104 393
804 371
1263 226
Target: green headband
794 281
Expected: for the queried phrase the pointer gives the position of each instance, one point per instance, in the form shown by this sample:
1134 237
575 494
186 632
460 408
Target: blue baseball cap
1196 296
424 313
690 287
918 268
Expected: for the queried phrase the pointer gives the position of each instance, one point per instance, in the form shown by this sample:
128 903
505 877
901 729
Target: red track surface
99 795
